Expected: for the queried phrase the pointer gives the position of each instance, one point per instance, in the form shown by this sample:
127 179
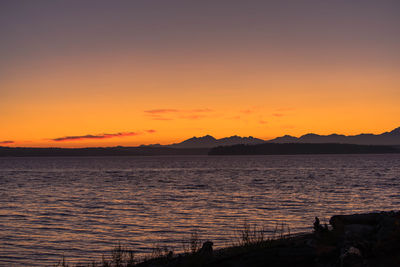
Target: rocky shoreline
367 240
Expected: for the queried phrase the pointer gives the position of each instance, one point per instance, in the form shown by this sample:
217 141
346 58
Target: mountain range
388 142
386 138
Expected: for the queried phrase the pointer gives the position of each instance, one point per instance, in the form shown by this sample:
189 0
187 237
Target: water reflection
84 206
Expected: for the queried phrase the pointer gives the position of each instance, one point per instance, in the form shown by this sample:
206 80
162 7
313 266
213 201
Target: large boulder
339 221
359 231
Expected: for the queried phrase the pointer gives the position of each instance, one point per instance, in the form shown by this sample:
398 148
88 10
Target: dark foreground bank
359 240
258 149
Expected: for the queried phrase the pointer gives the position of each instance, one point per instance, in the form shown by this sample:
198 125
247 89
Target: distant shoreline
260 149
303 149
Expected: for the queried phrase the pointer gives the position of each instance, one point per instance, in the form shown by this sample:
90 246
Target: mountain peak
209 141
310 135
396 131
206 137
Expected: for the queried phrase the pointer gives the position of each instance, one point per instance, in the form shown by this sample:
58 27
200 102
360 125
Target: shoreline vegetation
258 149
369 239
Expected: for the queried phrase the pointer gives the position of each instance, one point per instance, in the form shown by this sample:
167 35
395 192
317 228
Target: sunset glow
77 74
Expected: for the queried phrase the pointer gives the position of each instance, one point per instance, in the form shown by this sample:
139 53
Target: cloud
161 111
202 110
285 109
90 136
280 112
6 142
247 111
262 121
234 118
192 117
161 118
150 131
170 114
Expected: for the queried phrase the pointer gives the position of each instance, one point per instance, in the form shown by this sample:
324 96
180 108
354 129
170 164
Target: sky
106 73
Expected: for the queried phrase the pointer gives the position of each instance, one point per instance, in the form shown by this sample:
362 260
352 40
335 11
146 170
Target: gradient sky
105 73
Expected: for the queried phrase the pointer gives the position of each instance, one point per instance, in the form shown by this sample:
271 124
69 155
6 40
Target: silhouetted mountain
387 138
380 143
301 148
284 139
208 142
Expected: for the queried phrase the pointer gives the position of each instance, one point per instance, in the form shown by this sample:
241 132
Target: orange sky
195 70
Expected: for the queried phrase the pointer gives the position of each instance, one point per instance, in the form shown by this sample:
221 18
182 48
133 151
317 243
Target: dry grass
253 235
249 236
193 244
120 257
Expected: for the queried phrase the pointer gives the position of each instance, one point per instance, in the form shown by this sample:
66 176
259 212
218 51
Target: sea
80 208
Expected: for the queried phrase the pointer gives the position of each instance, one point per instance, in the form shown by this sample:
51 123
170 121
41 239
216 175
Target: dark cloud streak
161 111
6 142
99 136
165 114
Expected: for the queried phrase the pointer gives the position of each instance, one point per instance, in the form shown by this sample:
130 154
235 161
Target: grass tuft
194 243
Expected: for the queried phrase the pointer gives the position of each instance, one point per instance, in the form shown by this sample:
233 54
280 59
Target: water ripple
82 207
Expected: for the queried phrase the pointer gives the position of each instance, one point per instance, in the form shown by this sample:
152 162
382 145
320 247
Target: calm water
82 207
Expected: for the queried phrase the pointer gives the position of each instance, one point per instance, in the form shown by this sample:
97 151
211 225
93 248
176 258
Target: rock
388 235
351 257
358 231
207 248
339 221
323 250
170 255
386 228
374 234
